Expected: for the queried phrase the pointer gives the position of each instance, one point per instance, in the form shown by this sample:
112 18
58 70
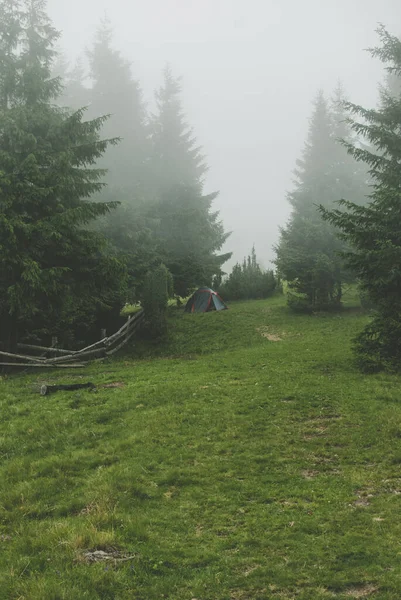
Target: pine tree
308 251
10 31
188 237
392 85
313 168
189 233
374 231
176 157
350 178
115 92
54 273
302 256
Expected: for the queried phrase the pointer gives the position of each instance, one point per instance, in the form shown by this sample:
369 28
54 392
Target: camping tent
204 300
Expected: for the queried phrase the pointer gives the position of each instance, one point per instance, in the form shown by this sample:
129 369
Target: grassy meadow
244 458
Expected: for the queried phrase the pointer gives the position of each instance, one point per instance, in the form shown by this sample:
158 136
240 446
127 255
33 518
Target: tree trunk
339 292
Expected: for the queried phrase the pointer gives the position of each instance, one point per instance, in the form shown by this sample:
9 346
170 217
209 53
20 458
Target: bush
378 346
248 281
157 289
298 302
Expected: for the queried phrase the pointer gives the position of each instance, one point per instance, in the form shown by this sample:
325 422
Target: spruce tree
54 273
176 157
115 91
303 258
10 32
391 86
189 233
308 251
374 231
350 177
188 237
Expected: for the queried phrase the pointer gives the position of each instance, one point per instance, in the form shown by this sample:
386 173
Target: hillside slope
245 458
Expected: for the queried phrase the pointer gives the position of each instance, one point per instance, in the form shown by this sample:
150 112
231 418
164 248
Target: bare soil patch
266 333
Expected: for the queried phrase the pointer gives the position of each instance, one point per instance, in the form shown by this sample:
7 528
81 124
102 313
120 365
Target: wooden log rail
74 358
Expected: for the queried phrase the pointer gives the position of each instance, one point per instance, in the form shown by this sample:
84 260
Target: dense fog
250 72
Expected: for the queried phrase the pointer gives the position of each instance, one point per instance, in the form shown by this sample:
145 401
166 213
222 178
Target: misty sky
250 70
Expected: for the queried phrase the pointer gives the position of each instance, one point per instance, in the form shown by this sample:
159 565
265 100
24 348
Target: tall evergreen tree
176 157
10 33
114 91
374 231
350 177
308 251
302 254
54 273
392 85
189 234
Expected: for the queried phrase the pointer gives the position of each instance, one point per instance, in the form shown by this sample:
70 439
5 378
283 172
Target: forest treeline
103 202
345 223
96 192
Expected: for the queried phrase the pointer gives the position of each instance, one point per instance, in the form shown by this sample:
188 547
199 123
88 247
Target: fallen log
45 390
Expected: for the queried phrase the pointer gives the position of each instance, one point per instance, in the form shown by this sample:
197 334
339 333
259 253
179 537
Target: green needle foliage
248 280
308 251
54 273
116 92
189 236
176 157
374 231
189 233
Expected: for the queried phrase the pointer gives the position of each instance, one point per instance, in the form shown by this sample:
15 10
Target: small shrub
378 346
157 289
298 302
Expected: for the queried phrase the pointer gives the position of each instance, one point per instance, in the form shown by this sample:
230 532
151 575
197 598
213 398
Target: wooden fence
42 357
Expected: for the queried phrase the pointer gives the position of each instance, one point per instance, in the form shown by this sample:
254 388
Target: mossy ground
226 467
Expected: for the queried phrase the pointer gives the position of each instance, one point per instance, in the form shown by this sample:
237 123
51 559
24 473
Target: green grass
228 467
